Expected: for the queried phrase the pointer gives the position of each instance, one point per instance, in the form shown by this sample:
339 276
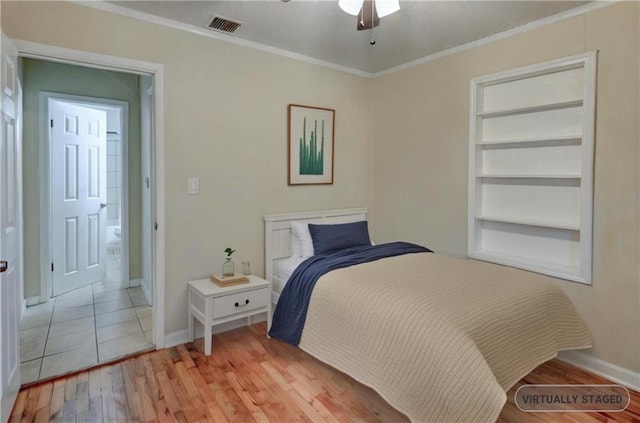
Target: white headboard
277 231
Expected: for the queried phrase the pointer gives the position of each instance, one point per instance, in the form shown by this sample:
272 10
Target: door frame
156 71
146 146
46 212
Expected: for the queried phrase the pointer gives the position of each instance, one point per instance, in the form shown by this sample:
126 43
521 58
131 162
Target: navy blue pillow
327 238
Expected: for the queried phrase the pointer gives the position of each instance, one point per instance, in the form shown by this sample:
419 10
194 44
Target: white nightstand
212 305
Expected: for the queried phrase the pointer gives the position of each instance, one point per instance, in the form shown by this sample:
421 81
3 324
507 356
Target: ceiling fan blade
368 17
387 7
350 6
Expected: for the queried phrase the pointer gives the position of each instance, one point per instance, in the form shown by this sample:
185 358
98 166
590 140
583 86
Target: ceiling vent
226 25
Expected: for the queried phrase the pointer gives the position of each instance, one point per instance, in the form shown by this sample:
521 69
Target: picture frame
310 133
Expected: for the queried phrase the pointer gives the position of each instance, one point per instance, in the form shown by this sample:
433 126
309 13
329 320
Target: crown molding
181 26
502 35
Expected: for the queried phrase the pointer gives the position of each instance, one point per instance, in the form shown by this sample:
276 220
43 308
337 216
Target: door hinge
52 123
155 226
52 267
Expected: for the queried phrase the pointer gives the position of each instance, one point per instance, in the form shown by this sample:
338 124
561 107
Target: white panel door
10 277
78 195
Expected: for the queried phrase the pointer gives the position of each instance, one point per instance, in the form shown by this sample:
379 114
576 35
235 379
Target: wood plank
70 387
278 405
95 409
82 397
169 396
246 399
18 407
184 400
57 401
216 412
95 396
44 399
119 396
233 407
128 374
69 411
201 411
183 375
203 388
250 378
42 415
185 356
106 388
146 402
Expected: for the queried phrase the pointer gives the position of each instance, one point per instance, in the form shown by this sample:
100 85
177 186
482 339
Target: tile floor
84 327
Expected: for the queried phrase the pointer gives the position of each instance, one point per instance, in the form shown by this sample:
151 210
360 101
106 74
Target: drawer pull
242 305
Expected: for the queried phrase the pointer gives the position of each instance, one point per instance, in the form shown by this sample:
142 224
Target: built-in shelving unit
531 167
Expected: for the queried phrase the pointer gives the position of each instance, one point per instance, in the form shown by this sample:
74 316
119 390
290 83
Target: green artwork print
311 158
310 142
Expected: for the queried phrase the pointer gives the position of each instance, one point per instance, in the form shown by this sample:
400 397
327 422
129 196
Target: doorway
100 313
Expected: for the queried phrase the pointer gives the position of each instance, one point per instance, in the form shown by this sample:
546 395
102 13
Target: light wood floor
248 378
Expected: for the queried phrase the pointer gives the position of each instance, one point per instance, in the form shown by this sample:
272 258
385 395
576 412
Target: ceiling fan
369 12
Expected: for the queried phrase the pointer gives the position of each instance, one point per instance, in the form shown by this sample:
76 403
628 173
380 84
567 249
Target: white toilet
113 237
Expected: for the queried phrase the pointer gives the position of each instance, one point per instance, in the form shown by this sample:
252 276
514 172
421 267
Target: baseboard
135 282
33 300
182 336
146 291
602 368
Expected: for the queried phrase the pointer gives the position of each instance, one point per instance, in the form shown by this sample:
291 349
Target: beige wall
225 122
421 137
39 76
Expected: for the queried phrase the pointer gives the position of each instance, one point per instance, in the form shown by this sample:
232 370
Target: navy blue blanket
291 311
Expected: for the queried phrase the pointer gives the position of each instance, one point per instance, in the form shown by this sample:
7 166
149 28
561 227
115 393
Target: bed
439 338
279 245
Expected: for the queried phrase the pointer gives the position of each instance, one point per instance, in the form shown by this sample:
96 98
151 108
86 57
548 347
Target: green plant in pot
228 267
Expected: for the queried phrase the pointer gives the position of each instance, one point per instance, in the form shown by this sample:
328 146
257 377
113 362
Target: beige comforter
440 338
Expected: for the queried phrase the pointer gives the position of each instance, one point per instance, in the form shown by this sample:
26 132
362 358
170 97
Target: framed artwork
311 131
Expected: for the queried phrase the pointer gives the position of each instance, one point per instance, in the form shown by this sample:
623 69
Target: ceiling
321 30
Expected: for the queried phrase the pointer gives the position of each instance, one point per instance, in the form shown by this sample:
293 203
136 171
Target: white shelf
531 222
531 109
524 176
547 268
532 142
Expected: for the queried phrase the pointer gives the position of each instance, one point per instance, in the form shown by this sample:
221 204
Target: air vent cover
226 25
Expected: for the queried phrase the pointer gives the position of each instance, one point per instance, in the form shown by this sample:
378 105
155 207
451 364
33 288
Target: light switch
193 185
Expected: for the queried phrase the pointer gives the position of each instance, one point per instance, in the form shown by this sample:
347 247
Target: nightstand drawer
239 303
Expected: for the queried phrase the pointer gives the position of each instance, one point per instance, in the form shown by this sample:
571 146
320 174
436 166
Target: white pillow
302 242
295 248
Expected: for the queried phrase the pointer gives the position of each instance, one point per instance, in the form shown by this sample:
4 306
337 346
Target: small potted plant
228 267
